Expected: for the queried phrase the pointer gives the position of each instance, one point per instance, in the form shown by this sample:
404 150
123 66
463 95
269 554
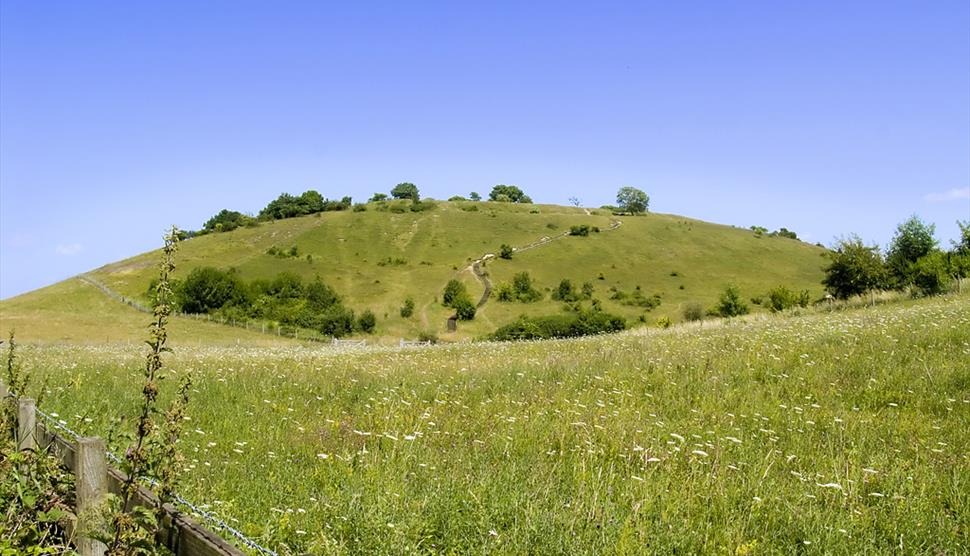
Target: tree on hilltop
508 194
632 200
405 190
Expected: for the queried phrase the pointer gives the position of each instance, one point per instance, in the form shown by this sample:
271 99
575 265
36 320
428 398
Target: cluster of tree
285 299
781 298
914 260
310 202
456 296
781 232
228 220
566 325
636 298
508 194
567 292
521 289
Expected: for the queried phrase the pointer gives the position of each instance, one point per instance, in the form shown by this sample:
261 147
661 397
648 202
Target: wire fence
206 516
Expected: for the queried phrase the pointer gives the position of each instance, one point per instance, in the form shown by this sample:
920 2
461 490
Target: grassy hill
375 259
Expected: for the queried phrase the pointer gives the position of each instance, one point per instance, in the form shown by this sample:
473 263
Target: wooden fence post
26 424
92 485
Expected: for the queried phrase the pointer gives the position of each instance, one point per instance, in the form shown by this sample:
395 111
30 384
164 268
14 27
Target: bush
663 322
636 299
455 198
206 289
929 275
565 292
465 308
367 321
408 308
581 230
565 325
505 251
227 220
428 337
377 197
781 299
693 312
855 269
360 207
508 194
524 290
730 304
454 290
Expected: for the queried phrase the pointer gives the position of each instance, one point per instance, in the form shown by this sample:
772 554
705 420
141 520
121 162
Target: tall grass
843 432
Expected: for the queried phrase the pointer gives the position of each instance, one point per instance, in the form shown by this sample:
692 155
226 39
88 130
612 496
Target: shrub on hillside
505 251
508 194
405 190
730 303
565 325
854 269
465 308
581 230
781 299
206 289
636 298
228 220
693 312
454 290
367 321
408 308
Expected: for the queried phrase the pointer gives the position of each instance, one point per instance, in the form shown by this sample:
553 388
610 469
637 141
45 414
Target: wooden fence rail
177 531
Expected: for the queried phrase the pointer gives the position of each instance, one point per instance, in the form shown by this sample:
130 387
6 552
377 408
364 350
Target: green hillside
375 259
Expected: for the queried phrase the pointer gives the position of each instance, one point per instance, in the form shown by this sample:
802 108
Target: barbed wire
206 516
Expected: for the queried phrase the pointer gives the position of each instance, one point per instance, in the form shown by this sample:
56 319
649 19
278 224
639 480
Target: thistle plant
153 451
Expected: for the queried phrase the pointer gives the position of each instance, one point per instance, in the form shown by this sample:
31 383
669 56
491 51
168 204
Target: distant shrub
376 197
508 194
392 261
425 336
730 303
524 290
405 190
587 290
465 308
408 308
930 274
474 196
227 221
565 292
663 322
456 198
360 207
367 321
693 312
454 290
206 289
636 298
759 230
505 293
534 211
470 208
398 208
552 226
505 251
781 298
581 230
757 300
566 325
421 206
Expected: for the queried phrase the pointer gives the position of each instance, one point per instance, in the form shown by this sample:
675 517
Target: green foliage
567 325
310 202
913 241
580 230
360 207
474 196
456 198
505 251
636 298
508 194
407 309
454 290
406 190
421 206
962 247
785 232
206 289
367 322
730 303
663 322
377 197
930 275
565 292
228 220
781 298
465 308
632 200
759 230
854 269
693 311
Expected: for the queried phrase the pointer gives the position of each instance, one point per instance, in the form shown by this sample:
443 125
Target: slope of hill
375 259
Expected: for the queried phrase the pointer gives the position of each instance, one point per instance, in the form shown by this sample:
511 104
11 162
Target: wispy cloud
951 195
69 250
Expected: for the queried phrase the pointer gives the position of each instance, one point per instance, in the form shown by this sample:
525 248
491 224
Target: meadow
835 433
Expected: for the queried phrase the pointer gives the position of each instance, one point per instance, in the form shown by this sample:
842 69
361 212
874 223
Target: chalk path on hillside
476 266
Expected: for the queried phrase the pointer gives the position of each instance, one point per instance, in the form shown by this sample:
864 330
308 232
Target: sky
118 119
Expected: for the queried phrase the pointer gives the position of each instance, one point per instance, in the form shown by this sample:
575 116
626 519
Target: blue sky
120 118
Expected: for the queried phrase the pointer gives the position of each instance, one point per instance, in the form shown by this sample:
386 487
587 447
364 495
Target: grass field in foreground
834 433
